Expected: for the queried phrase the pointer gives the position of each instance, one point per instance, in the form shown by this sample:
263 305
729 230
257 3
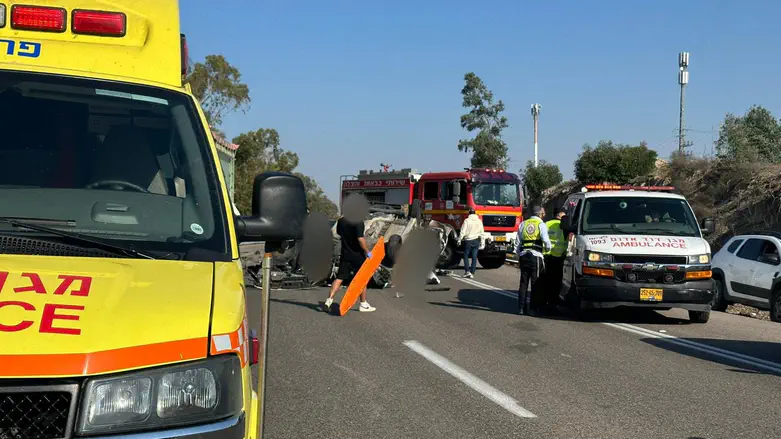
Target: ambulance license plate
500 239
651 294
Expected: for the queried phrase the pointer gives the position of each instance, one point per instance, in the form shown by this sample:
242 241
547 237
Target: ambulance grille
17 245
35 414
650 259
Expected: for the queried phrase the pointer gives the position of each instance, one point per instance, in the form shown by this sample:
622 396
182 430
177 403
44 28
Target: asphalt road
461 364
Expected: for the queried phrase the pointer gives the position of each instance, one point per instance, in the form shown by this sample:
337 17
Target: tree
488 148
260 151
615 163
753 137
218 87
537 179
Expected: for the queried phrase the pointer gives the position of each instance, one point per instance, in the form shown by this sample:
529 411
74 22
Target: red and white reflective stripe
236 341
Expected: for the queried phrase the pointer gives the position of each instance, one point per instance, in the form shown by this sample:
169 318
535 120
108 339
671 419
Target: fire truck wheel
491 262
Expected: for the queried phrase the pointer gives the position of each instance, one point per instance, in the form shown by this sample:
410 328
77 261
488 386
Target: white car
746 270
636 247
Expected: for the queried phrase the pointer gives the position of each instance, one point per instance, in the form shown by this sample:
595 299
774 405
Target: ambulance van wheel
699 316
491 262
573 302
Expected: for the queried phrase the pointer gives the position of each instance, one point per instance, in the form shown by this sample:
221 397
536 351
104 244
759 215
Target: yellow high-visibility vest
557 239
530 234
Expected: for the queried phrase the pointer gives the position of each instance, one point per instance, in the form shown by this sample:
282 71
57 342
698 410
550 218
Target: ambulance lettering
648 242
26 49
53 316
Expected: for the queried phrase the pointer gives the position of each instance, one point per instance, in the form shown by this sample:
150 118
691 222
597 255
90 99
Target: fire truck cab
446 197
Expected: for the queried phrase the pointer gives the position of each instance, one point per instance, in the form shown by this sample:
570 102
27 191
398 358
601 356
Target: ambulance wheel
699 316
491 262
574 303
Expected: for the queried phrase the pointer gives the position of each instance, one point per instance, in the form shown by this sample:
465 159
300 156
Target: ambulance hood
84 316
647 244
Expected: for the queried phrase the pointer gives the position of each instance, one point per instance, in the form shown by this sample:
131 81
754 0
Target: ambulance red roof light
38 18
101 23
616 187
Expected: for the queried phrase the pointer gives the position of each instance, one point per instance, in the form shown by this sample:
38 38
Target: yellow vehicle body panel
88 316
65 317
149 52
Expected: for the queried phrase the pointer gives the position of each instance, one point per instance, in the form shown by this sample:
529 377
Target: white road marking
712 350
474 283
470 380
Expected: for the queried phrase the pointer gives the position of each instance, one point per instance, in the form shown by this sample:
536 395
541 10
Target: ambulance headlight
198 392
699 259
598 257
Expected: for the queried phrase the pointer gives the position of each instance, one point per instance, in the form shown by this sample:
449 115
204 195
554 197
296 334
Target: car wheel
775 305
449 258
719 301
699 316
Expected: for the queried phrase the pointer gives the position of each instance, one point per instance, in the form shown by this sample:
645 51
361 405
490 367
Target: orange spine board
363 276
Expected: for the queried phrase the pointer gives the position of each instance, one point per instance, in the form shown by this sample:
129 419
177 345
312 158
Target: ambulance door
572 209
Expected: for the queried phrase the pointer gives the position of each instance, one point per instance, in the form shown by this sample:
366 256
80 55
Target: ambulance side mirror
565 225
278 210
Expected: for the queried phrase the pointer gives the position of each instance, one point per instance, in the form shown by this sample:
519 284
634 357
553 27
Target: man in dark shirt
354 253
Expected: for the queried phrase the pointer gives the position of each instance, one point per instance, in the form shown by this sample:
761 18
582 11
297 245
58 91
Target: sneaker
365 307
327 305
469 276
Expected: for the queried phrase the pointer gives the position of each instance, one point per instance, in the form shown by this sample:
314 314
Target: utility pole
536 116
683 79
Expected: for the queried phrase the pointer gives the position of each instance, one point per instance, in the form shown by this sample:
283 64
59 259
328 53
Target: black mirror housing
278 210
708 226
565 225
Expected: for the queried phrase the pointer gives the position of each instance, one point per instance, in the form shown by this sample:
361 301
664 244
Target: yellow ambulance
122 298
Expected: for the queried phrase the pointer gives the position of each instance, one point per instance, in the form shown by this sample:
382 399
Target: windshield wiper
613 228
664 231
84 239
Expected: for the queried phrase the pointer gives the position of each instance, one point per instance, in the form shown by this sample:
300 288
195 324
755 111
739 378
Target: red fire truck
445 197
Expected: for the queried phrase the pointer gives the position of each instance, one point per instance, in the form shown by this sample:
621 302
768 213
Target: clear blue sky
352 84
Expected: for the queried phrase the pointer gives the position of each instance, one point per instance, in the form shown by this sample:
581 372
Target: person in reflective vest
533 241
554 260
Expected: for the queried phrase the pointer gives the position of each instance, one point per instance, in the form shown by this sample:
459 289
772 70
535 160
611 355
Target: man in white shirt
470 234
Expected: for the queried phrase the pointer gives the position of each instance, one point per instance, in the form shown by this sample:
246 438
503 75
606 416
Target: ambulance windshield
122 163
639 216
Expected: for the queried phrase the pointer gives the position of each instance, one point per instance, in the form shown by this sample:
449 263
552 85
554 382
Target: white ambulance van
638 247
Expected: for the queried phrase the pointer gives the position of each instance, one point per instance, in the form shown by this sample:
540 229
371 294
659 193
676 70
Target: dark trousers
554 271
532 271
470 252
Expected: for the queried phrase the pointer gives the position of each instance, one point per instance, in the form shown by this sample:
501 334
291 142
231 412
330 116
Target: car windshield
496 194
639 216
127 165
